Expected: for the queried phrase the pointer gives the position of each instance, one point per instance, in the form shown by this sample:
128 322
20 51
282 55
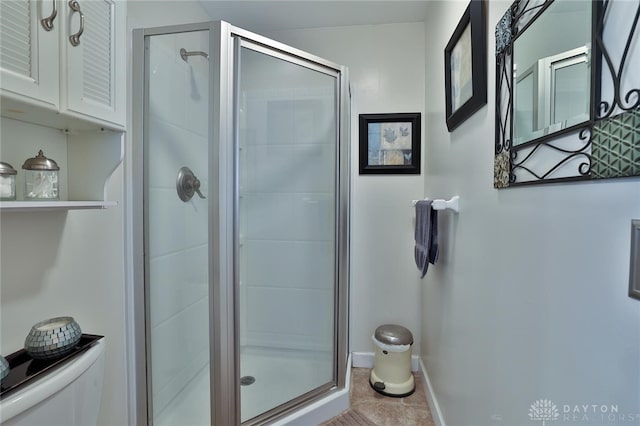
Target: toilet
391 374
68 396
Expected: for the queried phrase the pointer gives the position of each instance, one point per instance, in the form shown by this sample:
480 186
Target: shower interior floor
280 375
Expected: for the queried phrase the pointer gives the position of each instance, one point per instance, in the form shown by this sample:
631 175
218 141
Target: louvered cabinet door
29 55
94 71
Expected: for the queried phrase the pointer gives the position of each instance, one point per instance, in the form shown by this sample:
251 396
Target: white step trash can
391 374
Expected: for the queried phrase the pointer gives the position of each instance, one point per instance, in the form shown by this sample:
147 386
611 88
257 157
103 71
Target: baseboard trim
436 413
362 359
365 360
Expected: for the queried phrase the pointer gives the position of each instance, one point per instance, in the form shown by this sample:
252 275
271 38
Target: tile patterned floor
388 411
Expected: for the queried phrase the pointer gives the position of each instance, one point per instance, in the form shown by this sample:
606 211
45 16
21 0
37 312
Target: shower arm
184 54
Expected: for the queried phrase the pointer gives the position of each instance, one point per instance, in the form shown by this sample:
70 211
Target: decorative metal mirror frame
609 144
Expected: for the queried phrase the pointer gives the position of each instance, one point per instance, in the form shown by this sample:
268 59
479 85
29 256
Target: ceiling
265 15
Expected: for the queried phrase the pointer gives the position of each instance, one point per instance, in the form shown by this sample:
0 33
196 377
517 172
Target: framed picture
390 143
465 63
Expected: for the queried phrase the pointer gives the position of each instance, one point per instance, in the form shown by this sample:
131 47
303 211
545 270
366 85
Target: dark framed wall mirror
567 91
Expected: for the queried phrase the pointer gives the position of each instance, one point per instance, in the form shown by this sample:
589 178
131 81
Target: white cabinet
44 71
29 55
94 82
64 95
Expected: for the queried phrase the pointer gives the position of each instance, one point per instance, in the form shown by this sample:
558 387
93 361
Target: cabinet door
95 69
29 64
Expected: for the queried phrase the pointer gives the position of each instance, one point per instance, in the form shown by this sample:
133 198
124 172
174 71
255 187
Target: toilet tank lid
51 383
393 334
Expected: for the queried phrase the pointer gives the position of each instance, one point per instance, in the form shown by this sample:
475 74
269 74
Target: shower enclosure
241 225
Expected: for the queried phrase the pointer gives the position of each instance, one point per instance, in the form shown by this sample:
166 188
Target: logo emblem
544 410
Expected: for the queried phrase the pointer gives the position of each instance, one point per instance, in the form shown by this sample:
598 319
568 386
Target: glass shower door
287 176
176 245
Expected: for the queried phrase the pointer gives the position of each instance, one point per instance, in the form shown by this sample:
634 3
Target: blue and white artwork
461 72
389 143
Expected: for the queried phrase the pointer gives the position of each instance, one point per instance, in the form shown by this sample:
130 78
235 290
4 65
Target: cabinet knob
47 23
74 39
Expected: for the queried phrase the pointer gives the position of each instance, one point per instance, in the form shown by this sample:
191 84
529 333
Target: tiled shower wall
287 182
178 249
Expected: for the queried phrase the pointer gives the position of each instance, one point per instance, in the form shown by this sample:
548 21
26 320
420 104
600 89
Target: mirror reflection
552 89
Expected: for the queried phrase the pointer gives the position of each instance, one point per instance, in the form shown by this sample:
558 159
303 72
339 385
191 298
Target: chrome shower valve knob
187 184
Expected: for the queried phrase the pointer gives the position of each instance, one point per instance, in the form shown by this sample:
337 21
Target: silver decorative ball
4 367
52 338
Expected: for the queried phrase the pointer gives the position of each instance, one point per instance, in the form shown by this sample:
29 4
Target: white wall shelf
23 206
87 160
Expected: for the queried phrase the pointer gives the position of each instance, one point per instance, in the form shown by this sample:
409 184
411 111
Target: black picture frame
467 52
390 143
634 264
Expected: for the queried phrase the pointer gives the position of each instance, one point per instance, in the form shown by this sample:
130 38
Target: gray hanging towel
426 236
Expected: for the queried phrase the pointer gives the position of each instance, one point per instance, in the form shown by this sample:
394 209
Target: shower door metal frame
224 354
221 368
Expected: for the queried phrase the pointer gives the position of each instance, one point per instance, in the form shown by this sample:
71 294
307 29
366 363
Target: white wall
529 298
65 264
386 65
156 13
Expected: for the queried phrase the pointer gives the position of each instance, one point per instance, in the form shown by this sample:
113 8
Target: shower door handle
187 184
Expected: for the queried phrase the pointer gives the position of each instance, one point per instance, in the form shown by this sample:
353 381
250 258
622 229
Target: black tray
24 369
